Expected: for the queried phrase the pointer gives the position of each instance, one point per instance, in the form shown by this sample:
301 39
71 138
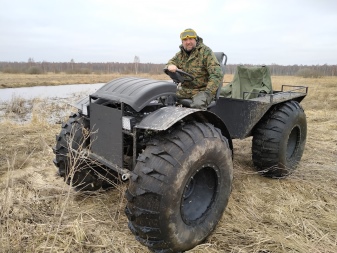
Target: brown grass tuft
17 105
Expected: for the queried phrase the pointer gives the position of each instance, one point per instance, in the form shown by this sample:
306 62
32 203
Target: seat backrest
222 59
248 82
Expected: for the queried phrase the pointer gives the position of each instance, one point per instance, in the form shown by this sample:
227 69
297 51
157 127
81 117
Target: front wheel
279 140
183 185
80 173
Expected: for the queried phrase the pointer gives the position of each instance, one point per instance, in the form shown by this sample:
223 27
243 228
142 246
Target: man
198 60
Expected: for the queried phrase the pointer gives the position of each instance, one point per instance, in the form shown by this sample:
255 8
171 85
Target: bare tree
72 64
136 62
30 61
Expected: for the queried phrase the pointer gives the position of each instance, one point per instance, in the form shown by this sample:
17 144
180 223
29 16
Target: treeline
294 70
71 67
80 68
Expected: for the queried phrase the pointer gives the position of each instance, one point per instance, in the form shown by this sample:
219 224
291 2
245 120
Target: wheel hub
293 142
199 194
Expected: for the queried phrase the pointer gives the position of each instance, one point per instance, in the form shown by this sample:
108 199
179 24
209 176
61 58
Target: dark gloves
201 100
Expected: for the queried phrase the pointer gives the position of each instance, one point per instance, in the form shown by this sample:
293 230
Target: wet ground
19 104
43 92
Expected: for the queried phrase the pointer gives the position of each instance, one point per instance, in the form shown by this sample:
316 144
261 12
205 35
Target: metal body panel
106 133
240 116
164 118
136 92
79 103
279 97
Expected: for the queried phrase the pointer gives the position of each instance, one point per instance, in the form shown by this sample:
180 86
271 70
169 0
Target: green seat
248 83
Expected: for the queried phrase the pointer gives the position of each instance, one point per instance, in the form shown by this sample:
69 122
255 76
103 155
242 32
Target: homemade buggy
178 159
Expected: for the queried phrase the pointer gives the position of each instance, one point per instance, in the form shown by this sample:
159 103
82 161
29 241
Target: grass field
40 213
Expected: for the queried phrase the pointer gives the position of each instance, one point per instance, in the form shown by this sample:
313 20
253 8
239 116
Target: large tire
183 185
279 140
80 173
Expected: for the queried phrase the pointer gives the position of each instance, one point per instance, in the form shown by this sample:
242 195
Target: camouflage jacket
203 65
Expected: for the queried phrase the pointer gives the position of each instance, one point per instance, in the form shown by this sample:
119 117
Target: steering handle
179 76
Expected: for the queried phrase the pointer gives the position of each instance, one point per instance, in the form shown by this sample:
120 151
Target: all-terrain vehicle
178 160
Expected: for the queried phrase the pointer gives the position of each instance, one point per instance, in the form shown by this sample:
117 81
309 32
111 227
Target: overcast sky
284 32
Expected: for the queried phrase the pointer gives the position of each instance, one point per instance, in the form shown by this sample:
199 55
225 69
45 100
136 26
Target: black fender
136 92
166 117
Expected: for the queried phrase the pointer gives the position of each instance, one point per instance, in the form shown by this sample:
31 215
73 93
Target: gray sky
284 32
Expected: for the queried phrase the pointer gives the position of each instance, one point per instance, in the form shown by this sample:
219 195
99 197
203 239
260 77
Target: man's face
189 44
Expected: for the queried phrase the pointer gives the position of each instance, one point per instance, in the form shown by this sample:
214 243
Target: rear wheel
279 140
77 171
183 185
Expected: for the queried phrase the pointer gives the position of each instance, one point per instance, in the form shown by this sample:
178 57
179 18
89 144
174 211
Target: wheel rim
293 142
199 195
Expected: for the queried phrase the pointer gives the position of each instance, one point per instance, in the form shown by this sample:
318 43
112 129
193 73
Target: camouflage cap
188 33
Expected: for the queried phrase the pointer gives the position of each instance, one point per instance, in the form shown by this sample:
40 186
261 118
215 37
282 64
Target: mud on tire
82 174
279 140
183 185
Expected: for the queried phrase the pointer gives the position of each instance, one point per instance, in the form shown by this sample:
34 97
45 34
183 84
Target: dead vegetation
40 213
17 105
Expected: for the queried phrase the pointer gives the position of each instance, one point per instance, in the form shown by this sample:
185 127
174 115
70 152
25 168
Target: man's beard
189 51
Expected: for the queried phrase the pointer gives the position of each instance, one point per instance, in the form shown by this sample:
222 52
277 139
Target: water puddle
44 92
51 103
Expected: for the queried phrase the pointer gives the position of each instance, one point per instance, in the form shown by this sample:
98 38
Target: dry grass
39 213
17 105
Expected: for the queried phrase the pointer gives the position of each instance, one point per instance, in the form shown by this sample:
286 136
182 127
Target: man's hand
201 100
172 68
